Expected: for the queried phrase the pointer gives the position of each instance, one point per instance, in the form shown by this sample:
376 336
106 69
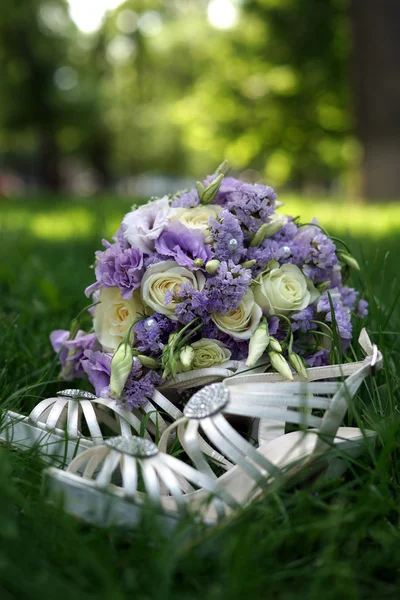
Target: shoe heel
338 465
335 469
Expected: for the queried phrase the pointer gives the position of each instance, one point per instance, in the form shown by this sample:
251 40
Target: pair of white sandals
110 482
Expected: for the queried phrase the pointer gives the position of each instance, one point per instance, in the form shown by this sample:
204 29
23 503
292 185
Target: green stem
75 321
289 331
190 334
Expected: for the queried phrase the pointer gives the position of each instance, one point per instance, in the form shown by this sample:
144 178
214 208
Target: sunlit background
137 97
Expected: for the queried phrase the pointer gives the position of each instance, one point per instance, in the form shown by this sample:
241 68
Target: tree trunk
48 166
376 78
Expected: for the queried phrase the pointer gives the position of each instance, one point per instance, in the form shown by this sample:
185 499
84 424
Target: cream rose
241 322
196 218
208 353
165 277
284 290
113 316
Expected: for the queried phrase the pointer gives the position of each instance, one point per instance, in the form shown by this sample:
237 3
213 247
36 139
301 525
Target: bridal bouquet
207 278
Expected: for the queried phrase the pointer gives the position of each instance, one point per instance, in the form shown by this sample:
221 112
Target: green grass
338 540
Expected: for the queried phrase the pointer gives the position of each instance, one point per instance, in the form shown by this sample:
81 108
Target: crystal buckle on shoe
134 446
207 402
77 394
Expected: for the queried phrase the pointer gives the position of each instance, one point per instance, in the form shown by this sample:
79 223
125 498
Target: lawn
337 540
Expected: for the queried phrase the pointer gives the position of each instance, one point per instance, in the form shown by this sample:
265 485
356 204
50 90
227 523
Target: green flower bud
198 262
280 364
186 357
212 266
266 231
272 264
298 363
259 236
121 366
248 264
347 259
148 361
66 371
274 344
223 168
322 287
258 344
74 329
211 190
200 188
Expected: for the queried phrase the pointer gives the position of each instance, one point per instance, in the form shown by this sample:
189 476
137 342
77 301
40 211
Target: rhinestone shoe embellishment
207 402
77 394
134 446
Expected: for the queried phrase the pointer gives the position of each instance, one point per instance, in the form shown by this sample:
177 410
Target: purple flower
183 245
72 351
280 247
315 253
223 230
227 187
362 309
302 320
238 348
273 325
144 225
267 251
227 288
152 259
139 388
318 359
336 276
120 237
97 366
323 253
341 312
118 267
152 339
191 303
348 296
187 200
251 204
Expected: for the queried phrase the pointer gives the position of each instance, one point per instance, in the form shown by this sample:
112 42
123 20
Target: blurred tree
48 89
32 46
377 94
271 93
165 86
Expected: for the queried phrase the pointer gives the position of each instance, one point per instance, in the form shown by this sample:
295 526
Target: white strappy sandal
75 420
114 467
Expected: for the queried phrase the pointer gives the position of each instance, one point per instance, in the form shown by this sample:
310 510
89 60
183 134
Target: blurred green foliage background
97 91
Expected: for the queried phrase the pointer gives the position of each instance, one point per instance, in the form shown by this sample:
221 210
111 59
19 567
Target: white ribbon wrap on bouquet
203 377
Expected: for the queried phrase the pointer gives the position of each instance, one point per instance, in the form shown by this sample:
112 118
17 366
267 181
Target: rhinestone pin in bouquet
205 284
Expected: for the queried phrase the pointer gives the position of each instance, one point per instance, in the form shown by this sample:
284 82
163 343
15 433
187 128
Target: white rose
208 353
113 316
284 290
197 218
241 322
145 224
165 277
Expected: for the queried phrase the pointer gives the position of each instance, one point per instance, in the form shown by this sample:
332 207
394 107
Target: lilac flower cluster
118 267
251 204
219 262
